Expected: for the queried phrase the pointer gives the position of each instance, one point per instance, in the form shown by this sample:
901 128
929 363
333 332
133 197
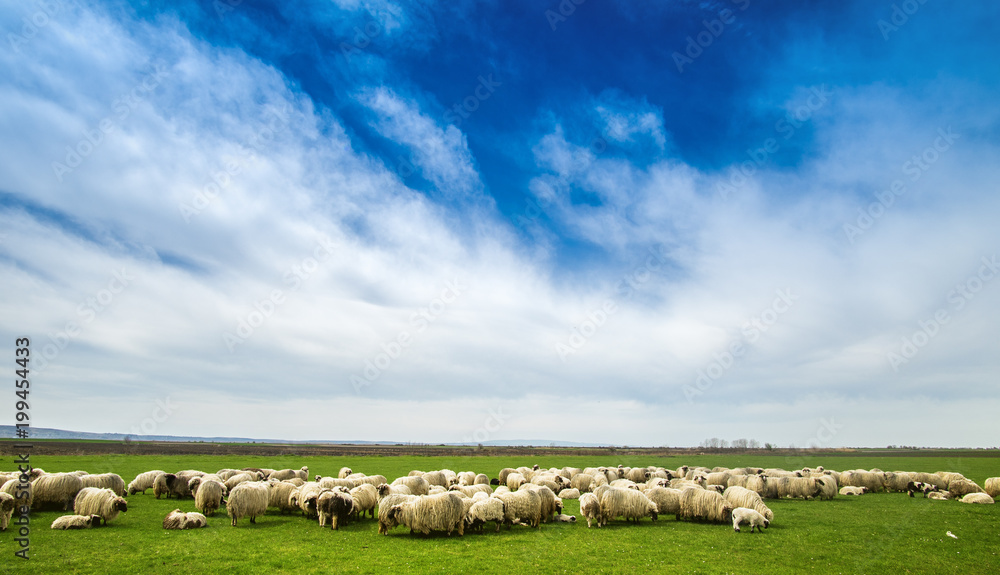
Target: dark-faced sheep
98 501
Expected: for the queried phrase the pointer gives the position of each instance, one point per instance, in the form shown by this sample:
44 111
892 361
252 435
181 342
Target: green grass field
876 533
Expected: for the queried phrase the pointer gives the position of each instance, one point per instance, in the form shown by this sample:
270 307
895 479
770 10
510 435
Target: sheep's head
119 505
766 523
653 510
392 517
727 511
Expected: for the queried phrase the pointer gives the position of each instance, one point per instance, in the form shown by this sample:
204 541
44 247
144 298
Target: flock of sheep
446 501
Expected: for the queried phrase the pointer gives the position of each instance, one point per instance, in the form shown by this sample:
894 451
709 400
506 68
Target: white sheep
344 472
939 495
439 478
235 480
283 474
852 490
701 504
334 505
743 497
977 498
470 490
515 481
178 520
443 512
874 481
629 504
522 507
466 477
992 486
208 495
170 484
583 482
111 481
481 479
76 522
99 501
365 498
373 480
6 509
280 495
417 484
590 508
550 504
486 509
248 499
959 487
667 500
56 489
385 503
570 493
751 516
386 489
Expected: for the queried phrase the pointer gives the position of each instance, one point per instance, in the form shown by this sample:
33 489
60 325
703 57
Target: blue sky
641 223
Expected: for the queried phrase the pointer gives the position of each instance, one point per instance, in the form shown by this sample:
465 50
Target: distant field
871 534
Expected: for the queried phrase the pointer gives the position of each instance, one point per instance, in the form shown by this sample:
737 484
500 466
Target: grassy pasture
870 534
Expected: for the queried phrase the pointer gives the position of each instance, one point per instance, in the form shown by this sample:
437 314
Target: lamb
852 490
743 497
704 505
444 512
486 509
992 486
177 520
143 481
280 495
76 522
417 484
6 509
630 504
334 505
248 499
57 489
977 498
99 501
111 481
208 495
569 493
751 516
915 486
283 474
385 503
590 508
365 497
959 487
521 506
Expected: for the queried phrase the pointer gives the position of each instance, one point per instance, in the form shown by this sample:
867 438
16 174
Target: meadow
868 534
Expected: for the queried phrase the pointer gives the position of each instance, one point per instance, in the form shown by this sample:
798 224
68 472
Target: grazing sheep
99 501
521 507
56 490
743 497
947 477
471 490
756 483
143 481
751 516
386 489
443 512
992 486
977 498
77 522
283 474
637 475
718 478
23 493
243 477
171 485
111 481
667 500
6 509
365 498
701 504
896 481
590 508
852 490
305 497
334 505
827 485
939 495
466 477
486 509
582 482
280 496
629 504
481 479
417 484
551 504
793 487
373 480
959 487
569 493
178 520
385 503
208 495
437 478
515 481
248 499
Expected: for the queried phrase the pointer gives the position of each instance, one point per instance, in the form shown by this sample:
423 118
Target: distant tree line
716 443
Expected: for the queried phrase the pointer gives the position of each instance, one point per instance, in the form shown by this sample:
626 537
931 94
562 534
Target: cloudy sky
631 223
